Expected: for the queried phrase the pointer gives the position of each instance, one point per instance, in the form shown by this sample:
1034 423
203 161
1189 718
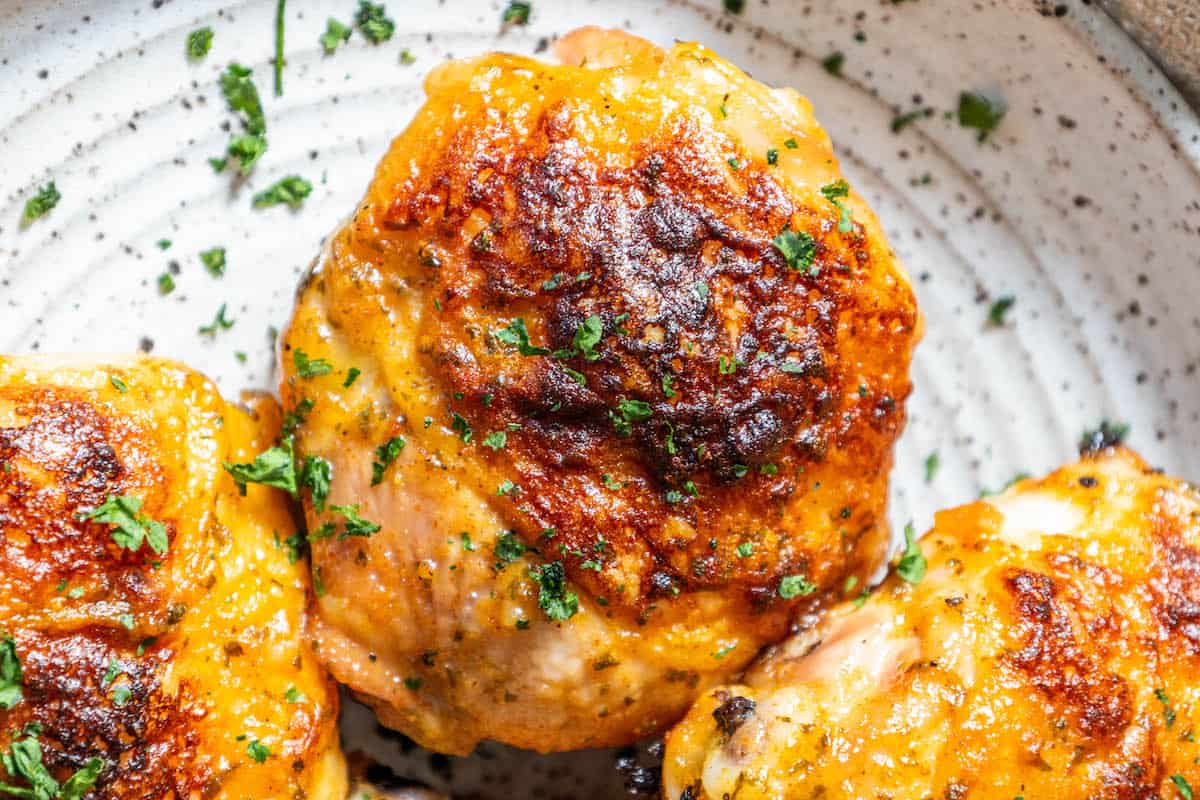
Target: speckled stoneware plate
1083 206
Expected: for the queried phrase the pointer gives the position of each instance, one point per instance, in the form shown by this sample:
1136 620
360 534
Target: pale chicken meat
605 371
151 617
1042 643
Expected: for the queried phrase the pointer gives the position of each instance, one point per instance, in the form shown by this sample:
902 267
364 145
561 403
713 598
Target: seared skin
163 666
1025 663
691 420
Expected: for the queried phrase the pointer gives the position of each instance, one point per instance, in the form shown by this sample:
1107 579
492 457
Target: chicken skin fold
1042 643
150 615
605 370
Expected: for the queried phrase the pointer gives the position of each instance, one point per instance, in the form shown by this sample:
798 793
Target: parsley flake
199 42
516 335
836 193
219 323
310 367
912 564
374 23
554 598
290 190
795 586
980 112
214 261
40 204
833 63
130 527
10 674
495 440
797 248
385 454
507 549
335 34
258 751
275 467
517 13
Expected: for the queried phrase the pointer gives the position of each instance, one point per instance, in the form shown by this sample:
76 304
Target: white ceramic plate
1084 206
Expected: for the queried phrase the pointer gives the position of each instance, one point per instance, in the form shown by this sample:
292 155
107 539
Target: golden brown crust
164 666
148 743
561 291
1045 653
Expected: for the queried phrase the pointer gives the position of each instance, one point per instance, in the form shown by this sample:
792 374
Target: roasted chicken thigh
1043 643
150 615
606 370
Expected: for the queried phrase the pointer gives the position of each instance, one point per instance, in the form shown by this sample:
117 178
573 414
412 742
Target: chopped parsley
551 283
932 463
293 695
354 524
772 156
10 674
40 204
295 418
790 144
219 323
1181 783
241 95
610 482
351 376
374 23
517 13
335 34
795 586
902 121
199 42
1168 709
726 365
734 6
507 549
668 381
163 244
275 467
462 427
836 193
258 751
516 335
496 440
279 47
912 564
385 454
554 598
797 248
130 527
507 488
316 474
724 651
290 190
745 549
213 260
999 309
629 411
310 367
412 684
118 384
23 761
587 336
980 112
833 63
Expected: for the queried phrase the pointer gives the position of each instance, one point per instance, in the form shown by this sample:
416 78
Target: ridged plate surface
1084 206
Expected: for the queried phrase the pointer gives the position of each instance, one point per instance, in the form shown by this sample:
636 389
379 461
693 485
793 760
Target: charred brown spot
72 684
1175 581
1097 702
61 463
733 713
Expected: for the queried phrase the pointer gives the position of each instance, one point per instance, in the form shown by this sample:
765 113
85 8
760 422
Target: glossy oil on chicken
1043 643
150 615
606 369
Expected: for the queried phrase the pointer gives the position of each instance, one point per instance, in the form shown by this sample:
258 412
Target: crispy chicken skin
1050 651
562 292
159 669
